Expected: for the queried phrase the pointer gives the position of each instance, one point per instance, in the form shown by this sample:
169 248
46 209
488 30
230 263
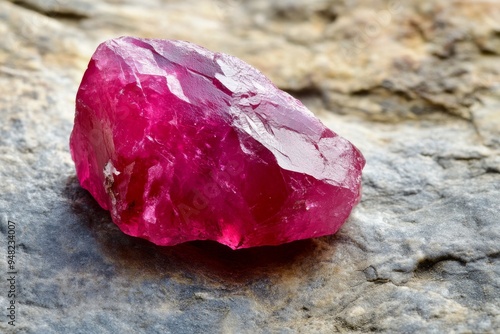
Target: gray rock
414 84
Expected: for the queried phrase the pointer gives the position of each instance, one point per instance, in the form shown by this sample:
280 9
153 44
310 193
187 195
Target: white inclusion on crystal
175 87
109 170
149 214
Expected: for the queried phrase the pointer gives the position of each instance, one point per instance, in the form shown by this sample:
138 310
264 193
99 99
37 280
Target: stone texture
414 84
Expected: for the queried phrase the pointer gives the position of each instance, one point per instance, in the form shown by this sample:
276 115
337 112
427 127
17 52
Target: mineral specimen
180 143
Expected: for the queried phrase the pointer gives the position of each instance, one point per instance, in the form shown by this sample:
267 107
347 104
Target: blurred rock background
414 84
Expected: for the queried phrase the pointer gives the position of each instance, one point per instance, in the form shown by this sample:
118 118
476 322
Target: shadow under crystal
200 260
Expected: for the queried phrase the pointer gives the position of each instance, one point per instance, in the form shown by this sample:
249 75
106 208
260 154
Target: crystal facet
180 143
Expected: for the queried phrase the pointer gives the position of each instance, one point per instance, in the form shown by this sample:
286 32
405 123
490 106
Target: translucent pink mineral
180 143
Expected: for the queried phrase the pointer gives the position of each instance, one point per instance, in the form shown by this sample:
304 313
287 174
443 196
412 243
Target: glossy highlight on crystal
180 143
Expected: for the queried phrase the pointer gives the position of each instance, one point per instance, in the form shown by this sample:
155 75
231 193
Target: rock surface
414 84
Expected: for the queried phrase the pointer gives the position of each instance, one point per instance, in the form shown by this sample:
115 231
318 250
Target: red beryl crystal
180 143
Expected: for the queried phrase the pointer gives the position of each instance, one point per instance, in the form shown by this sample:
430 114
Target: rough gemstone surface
180 143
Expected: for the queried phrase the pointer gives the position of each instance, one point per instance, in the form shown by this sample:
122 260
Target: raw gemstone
180 143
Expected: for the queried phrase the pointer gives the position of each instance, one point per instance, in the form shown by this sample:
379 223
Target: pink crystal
180 143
